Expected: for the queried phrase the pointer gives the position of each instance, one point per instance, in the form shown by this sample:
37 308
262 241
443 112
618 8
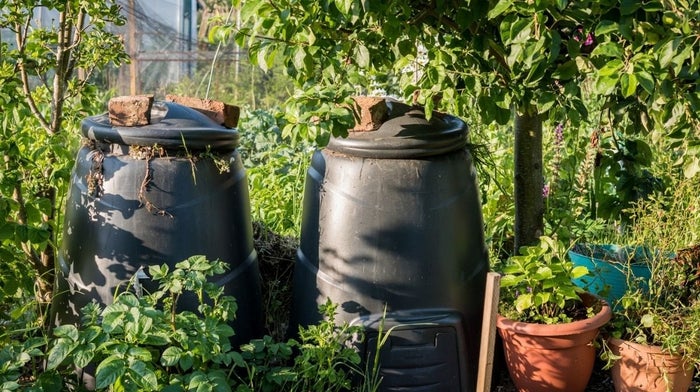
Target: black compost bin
392 218
151 195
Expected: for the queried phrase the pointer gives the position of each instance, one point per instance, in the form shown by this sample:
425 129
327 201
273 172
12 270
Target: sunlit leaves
39 121
628 84
537 285
609 49
109 370
514 52
500 7
606 27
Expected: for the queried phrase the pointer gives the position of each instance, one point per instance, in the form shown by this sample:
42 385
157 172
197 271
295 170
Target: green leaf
7 231
66 331
628 7
171 356
140 353
263 60
680 58
578 272
8 386
536 74
429 107
21 233
667 51
362 56
566 71
84 355
554 46
647 321
500 8
543 273
653 6
606 27
509 280
59 352
691 168
158 272
143 375
186 361
173 388
611 68
542 298
608 49
37 236
109 370
645 80
523 302
299 58
343 6
605 85
628 83
238 359
545 101
520 32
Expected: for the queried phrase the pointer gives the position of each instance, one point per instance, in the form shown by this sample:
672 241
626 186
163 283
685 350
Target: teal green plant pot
611 268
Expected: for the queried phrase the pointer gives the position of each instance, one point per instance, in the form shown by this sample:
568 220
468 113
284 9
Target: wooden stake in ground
488 332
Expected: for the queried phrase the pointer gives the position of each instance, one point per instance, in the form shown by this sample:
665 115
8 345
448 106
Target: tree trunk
46 268
529 179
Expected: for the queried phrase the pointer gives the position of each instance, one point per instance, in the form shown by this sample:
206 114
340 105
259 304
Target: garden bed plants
579 119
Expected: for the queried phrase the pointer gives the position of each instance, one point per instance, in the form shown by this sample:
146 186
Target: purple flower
588 39
559 134
556 160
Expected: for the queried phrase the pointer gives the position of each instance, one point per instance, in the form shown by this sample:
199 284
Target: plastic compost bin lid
405 134
172 126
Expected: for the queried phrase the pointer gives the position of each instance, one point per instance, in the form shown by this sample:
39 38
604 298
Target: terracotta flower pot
645 368
551 358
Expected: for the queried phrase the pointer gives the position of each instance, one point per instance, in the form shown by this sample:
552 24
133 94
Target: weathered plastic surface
392 217
195 209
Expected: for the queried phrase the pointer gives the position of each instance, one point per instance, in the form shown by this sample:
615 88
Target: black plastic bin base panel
424 352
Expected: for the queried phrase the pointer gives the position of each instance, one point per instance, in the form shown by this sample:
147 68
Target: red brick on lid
370 113
130 110
220 112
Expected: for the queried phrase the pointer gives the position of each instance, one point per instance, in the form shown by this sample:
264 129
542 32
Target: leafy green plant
46 89
324 358
515 60
19 358
664 310
266 365
327 361
276 169
145 343
537 285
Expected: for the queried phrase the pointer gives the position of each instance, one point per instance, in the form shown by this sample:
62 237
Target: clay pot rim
647 348
535 329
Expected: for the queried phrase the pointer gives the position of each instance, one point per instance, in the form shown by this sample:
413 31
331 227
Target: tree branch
21 39
21 214
77 37
63 54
